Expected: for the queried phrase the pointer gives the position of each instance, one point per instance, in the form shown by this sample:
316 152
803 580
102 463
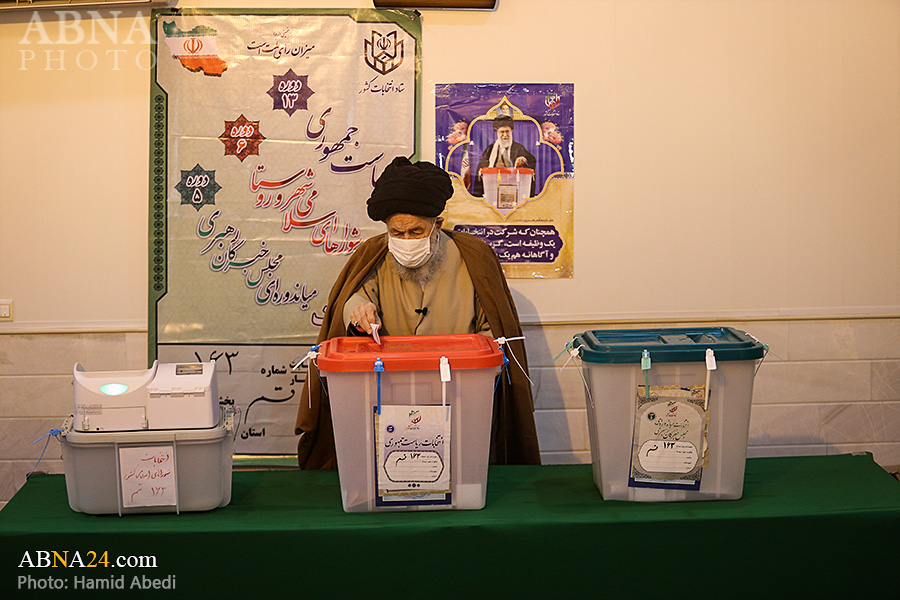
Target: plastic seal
379 369
502 340
645 360
52 433
313 353
710 360
445 379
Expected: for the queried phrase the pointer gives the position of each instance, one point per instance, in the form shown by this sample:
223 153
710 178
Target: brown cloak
513 436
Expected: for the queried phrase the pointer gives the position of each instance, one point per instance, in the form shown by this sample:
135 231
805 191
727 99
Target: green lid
667 345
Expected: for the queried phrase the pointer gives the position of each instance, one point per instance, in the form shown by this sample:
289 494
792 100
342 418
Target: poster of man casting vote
510 151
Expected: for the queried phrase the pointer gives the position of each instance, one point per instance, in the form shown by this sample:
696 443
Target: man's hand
521 162
364 316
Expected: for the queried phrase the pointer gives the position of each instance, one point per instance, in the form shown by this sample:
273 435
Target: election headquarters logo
383 53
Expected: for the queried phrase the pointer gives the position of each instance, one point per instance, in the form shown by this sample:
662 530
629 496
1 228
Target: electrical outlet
6 310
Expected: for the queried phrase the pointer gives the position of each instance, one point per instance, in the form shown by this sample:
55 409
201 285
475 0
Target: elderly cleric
417 279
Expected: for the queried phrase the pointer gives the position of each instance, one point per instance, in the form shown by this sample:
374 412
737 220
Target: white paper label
413 450
404 466
668 457
147 476
669 435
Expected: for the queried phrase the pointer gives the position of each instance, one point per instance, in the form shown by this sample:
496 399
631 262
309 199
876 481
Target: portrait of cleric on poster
504 152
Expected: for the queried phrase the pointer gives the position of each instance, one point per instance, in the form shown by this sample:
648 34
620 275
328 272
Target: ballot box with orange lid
412 419
507 188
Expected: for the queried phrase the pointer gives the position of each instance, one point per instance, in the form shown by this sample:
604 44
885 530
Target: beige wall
737 162
733 158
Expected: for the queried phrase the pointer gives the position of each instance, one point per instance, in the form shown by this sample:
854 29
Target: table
826 526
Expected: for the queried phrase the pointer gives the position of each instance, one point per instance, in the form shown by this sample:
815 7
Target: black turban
504 121
420 189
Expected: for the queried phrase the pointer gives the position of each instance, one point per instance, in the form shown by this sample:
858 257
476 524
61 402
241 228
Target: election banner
268 130
510 151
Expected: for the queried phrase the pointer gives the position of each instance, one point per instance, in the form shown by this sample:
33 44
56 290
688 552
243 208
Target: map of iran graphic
196 49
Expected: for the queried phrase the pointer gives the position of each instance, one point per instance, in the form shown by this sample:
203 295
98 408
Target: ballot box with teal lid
669 411
412 419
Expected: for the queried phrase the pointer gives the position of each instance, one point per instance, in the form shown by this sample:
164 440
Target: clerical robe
513 435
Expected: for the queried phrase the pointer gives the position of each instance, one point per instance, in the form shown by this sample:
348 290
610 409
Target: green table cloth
826 526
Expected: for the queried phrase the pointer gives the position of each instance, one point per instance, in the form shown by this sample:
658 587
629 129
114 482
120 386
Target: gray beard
425 272
505 144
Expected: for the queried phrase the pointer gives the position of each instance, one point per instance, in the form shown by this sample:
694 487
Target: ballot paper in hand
413 454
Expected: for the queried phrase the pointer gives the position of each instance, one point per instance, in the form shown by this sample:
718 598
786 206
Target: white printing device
165 396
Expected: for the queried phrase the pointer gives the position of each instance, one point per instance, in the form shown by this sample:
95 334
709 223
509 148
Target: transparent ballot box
147 441
159 471
507 188
412 419
669 411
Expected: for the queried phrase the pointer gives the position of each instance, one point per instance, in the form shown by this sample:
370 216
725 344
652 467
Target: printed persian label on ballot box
413 451
669 437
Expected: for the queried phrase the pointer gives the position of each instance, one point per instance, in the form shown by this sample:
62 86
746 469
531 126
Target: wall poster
268 130
510 150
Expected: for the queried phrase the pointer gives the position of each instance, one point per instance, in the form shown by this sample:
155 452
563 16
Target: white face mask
411 253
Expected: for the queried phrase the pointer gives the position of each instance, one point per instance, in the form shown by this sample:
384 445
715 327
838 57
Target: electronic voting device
165 396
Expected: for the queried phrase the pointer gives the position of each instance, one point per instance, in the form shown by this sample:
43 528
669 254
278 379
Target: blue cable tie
506 368
379 369
319 375
502 370
564 350
55 433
